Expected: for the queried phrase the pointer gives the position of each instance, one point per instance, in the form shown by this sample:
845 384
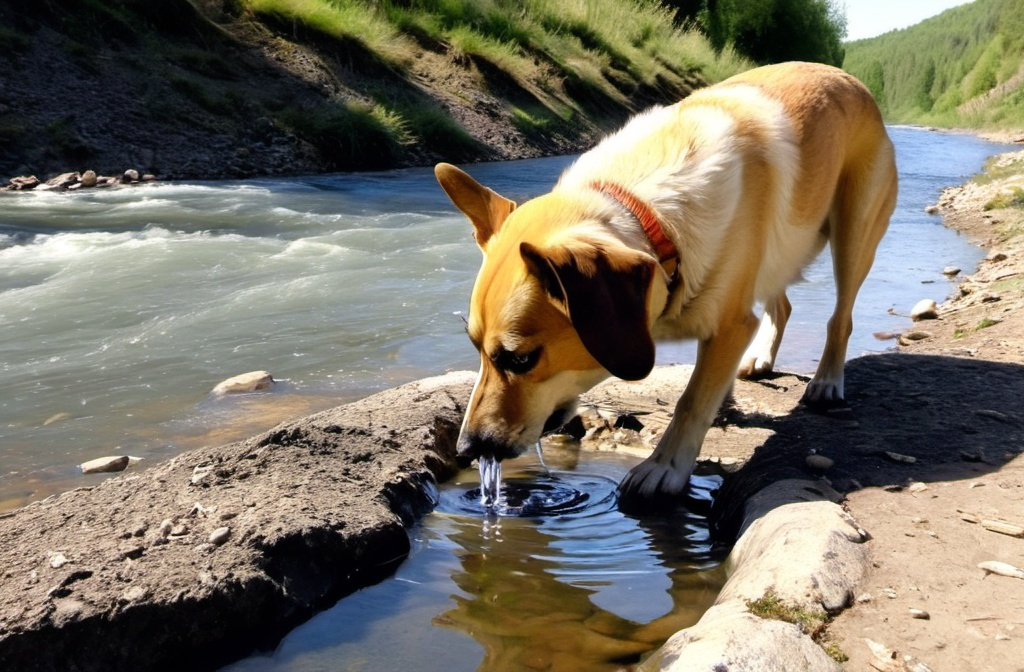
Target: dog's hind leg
759 359
667 470
856 225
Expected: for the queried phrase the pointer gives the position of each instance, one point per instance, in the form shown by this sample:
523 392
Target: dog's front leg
666 472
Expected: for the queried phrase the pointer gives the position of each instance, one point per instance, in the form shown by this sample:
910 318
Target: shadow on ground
918 418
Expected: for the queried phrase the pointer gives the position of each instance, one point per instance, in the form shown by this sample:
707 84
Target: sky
868 18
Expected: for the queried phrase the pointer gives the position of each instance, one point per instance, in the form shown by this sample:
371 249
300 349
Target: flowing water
120 310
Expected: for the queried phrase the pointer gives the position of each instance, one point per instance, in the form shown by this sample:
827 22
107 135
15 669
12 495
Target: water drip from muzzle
490 481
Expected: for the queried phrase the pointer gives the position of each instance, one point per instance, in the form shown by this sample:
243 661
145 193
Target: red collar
663 246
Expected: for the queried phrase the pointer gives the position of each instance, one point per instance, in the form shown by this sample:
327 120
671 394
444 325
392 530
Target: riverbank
215 89
138 549
929 534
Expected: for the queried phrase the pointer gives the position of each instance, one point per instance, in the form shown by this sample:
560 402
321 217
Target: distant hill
962 68
233 88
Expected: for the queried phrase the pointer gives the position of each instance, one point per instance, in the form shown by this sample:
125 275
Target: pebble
951 271
254 381
57 560
925 309
103 465
920 613
133 594
200 472
890 593
1001 568
1002 527
819 462
900 457
917 486
220 535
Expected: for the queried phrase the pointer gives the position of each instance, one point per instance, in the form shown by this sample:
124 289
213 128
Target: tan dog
673 228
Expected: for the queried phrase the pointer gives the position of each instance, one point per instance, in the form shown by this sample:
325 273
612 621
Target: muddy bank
194 562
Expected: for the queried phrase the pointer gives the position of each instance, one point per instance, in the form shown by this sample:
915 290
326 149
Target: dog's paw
823 392
650 482
753 368
827 402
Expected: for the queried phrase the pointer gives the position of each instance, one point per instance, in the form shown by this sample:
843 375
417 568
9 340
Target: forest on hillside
962 68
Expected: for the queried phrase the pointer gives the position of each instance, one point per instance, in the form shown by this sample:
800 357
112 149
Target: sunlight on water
121 309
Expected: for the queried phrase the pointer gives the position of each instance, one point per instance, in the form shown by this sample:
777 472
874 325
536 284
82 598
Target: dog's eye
515 362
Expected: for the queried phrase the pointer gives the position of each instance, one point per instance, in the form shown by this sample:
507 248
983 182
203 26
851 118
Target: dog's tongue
490 481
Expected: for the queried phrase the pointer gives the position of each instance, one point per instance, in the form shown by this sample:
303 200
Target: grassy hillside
963 68
218 88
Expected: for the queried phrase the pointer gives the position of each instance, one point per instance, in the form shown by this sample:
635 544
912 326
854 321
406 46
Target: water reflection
579 588
593 590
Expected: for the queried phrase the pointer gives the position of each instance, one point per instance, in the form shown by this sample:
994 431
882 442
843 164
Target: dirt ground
930 535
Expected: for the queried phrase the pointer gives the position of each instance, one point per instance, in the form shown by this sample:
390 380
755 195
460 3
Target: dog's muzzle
473 445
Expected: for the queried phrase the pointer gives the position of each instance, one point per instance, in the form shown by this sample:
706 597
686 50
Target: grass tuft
812 623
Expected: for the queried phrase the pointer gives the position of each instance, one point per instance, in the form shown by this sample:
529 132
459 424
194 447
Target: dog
675 227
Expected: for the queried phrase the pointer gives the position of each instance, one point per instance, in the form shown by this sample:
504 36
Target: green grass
607 47
350 134
1009 197
812 623
344 20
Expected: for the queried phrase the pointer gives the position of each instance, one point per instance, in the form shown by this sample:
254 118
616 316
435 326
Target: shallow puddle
553 578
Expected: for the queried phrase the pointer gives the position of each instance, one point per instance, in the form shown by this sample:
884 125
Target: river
121 309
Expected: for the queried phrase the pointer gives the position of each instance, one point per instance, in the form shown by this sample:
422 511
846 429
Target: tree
770 31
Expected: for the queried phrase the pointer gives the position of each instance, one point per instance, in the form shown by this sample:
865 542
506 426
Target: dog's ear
484 208
606 300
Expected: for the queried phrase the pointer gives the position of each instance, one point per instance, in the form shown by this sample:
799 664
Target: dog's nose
472 446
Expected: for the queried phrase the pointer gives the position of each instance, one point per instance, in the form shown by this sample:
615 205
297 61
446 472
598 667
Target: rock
64 180
995 257
219 536
134 594
729 638
88 178
925 309
775 532
819 462
920 613
58 560
254 381
24 183
103 465
951 271
130 175
900 457
1003 527
199 474
1001 568
932 209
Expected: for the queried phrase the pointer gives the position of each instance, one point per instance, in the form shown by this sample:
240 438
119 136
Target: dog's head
558 305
